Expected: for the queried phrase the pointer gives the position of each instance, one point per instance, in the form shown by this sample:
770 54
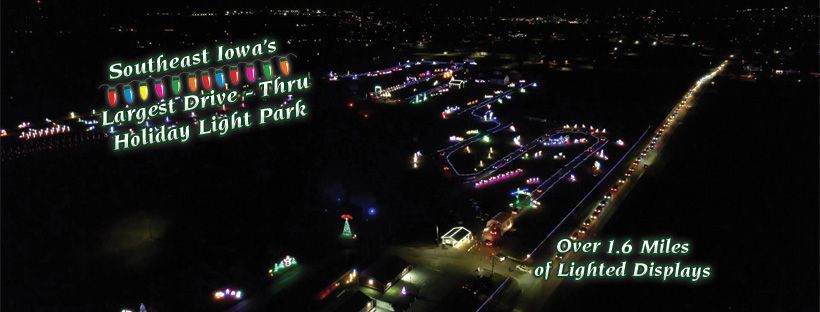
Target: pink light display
498 178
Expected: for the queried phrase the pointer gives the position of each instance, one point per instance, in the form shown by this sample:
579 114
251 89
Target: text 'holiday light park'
166 104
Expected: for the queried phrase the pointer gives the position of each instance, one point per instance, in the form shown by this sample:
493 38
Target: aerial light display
346 231
283 264
228 294
523 199
489 115
416 159
352 276
498 178
600 154
419 98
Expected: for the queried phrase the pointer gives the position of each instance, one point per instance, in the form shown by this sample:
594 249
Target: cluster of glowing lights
560 140
416 159
228 294
283 264
472 131
575 127
559 156
449 110
596 166
619 142
533 180
498 178
489 115
517 141
352 276
486 139
419 98
600 154
54 129
523 199
455 138
572 178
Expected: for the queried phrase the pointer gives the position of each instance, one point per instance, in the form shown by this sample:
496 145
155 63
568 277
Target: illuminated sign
236 87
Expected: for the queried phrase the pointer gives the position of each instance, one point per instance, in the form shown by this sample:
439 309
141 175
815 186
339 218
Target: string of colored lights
175 81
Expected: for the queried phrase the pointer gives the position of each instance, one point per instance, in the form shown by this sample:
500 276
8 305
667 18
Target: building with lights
457 237
456 84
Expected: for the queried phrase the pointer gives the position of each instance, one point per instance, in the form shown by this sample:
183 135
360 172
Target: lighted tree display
346 231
